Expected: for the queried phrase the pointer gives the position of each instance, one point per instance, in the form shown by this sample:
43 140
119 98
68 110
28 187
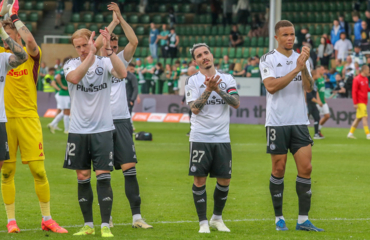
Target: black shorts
82 149
210 158
124 148
282 138
4 147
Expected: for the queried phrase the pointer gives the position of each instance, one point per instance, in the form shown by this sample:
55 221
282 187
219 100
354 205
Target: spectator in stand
236 38
365 35
231 69
59 12
309 40
356 5
324 51
345 25
142 6
153 40
172 17
330 79
367 16
301 36
228 12
163 43
335 32
357 28
184 68
358 57
342 46
357 68
349 68
225 64
243 9
217 66
175 76
149 85
169 79
173 42
255 27
159 77
327 38
253 70
215 11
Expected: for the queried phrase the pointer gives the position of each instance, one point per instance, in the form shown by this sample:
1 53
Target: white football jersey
90 98
211 124
287 106
4 68
118 96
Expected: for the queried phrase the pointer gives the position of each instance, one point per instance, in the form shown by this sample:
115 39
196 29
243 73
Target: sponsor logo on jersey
272 146
202 86
18 73
296 78
117 80
279 65
215 101
92 88
41 155
40 145
2 79
99 71
289 62
193 168
222 85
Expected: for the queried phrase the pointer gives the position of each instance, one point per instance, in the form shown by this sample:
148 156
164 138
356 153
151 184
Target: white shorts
324 109
63 102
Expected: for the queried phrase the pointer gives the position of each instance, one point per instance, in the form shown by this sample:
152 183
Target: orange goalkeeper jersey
20 94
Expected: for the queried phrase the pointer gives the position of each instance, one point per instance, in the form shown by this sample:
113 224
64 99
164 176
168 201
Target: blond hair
84 33
8 23
113 37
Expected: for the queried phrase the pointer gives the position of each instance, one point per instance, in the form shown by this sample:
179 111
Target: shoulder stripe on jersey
36 69
187 80
263 58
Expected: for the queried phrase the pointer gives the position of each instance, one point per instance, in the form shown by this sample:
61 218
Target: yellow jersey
20 93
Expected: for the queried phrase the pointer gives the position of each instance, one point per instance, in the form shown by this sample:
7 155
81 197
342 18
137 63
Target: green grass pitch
340 187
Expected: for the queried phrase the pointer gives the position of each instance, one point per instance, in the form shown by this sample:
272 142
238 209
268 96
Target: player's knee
39 174
306 171
199 182
129 172
223 181
83 175
127 167
279 170
7 173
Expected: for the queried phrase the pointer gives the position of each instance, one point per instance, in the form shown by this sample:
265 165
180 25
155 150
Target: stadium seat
129 8
117 30
162 8
325 7
362 15
319 17
253 41
186 8
195 30
99 18
144 41
241 29
176 7
247 42
40 6
94 27
207 31
188 31
225 51
246 53
239 52
191 41
232 53
133 19
213 41
220 30
310 7
214 31
327 29
144 52
208 19
311 17
168 61
311 29
108 18
145 19
253 51
22 16
201 30
140 30
225 41
64 40
161 60
318 30
317 41
75 17
80 26
247 29
69 29
157 19
227 30
28 5
202 19
217 52
34 17
347 6
181 19
267 42
137 52
260 52
87 18
260 42
185 41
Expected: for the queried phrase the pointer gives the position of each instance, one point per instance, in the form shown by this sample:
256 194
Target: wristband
3 34
16 21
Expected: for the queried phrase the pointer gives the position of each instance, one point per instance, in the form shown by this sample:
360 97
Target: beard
208 67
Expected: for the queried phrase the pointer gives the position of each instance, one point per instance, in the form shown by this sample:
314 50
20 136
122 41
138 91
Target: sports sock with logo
105 196
85 198
366 129
220 197
200 200
132 190
276 191
303 188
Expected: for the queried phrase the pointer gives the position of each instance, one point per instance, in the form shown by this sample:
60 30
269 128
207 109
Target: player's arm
307 80
177 40
119 69
318 99
26 35
19 56
53 84
197 105
129 33
111 26
231 96
76 75
273 84
58 79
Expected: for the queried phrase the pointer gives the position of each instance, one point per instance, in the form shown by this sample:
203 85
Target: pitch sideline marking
236 220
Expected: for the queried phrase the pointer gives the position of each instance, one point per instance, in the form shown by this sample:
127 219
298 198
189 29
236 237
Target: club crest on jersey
222 85
2 79
272 146
188 94
193 168
99 71
266 72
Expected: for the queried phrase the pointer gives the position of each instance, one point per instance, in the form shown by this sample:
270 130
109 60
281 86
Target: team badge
272 146
193 168
266 72
99 71
222 85
111 155
188 94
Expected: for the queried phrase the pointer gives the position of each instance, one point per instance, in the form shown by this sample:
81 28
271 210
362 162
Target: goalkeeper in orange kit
23 126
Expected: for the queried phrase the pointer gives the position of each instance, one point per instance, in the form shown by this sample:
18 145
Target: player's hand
138 100
13 8
131 103
115 18
355 106
301 61
320 104
92 43
115 8
306 50
65 88
212 83
106 38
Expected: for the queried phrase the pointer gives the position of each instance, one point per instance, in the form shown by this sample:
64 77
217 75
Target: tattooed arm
232 100
27 37
19 56
197 105
307 80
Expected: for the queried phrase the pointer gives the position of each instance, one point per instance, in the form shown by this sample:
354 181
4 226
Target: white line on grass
235 220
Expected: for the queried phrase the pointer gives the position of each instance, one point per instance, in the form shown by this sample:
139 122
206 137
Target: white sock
12 219
320 126
110 218
46 218
57 119
66 123
277 218
136 217
90 224
203 222
105 225
302 218
216 217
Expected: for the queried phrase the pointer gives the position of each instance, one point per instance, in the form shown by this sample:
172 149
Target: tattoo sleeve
200 102
19 55
232 100
307 80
